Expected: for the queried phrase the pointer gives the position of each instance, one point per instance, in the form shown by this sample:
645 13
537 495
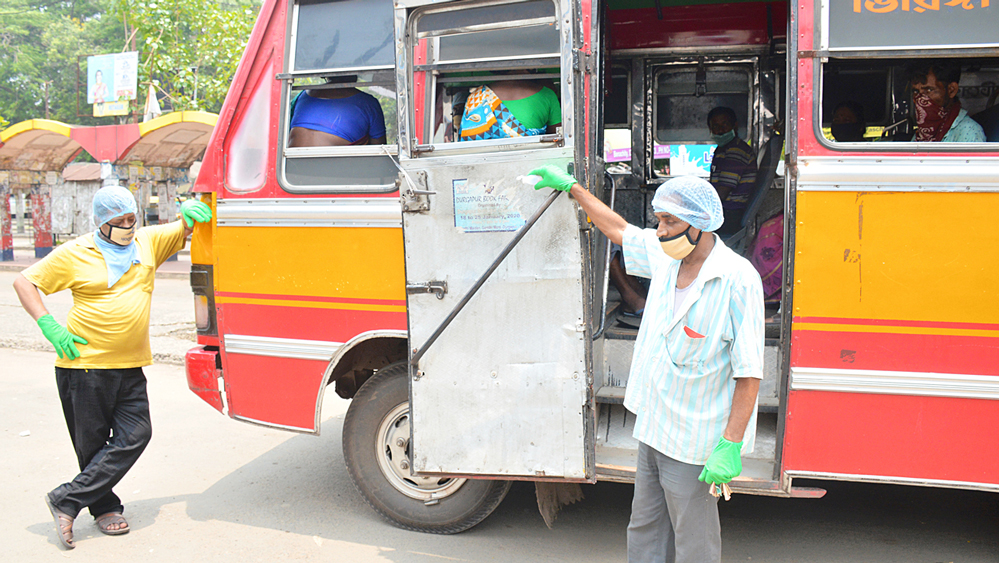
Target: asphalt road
212 489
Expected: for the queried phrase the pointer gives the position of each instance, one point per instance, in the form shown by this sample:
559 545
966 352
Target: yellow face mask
679 246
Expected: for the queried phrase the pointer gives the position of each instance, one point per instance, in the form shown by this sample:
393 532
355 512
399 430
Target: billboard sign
112 81
907 24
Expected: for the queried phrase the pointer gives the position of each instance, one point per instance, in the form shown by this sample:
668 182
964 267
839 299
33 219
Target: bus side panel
288 298
895 349
921 439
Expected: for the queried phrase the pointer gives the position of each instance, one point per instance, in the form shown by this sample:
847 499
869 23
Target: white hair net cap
690 199
111 202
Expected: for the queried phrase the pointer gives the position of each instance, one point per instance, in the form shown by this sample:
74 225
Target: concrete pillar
19 205
41 218
167 194
6 239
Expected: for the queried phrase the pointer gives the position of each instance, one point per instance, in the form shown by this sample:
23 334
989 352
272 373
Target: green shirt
536 111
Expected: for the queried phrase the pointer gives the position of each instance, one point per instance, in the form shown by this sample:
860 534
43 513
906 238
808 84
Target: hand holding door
553 177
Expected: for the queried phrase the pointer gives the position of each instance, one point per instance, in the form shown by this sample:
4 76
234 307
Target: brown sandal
63 524
105 521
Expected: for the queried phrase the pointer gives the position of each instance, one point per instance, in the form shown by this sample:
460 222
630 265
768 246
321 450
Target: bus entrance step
611 395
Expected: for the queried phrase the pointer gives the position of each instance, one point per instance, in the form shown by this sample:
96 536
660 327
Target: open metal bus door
495 270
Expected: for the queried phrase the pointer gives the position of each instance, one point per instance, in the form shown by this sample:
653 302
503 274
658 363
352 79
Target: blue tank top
356 119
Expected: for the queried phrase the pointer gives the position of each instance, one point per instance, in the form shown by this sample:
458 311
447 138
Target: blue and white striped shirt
685 364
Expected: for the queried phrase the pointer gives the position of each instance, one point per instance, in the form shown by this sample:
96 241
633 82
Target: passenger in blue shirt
336 117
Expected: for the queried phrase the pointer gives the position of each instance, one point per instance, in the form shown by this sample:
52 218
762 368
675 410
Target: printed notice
484 208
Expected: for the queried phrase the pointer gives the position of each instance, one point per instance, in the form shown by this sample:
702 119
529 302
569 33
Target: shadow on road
302 487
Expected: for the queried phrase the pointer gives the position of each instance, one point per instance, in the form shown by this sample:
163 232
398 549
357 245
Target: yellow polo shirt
115 320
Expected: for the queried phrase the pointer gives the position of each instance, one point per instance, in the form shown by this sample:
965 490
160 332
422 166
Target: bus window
617 120
488 76
684 96
902 101
339 124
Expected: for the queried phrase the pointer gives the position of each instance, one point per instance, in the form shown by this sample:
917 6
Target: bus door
499 375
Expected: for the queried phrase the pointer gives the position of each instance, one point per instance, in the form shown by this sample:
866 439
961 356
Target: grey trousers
674 519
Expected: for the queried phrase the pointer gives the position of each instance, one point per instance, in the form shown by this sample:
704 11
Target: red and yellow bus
471 320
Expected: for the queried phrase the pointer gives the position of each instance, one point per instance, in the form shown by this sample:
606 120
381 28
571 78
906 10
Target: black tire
380 406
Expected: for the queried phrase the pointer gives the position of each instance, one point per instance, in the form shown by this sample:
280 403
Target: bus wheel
376 450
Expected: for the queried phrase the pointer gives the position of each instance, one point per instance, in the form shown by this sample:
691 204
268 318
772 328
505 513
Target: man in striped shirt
696 369
733 167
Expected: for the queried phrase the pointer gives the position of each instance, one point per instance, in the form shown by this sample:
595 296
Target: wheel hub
392 449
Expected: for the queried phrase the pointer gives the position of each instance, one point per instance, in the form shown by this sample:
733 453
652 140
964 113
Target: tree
189 49
40 41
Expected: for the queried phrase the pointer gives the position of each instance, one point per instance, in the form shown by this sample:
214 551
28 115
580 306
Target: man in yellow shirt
103 347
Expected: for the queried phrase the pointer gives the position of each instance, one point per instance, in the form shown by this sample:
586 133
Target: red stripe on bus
316 298
890 436
891 322
976 355
329 325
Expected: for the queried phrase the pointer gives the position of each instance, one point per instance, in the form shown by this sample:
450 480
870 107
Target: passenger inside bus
336 117
848 123
938 112
510 108
733 167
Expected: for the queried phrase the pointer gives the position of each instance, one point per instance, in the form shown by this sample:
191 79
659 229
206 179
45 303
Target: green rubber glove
553 177
63 340
724 463
193 211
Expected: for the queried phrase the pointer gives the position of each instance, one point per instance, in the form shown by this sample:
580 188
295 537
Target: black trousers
107 413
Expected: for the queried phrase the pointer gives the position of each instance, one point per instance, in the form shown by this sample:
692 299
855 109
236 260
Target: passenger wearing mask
938 111
697 366
102 347
733 167
848 124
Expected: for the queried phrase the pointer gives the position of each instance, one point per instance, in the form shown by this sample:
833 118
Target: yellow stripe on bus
897 256
339 262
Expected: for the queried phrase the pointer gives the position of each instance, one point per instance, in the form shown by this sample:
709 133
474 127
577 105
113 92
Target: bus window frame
383 75
623 66
753 129
821 59
433 69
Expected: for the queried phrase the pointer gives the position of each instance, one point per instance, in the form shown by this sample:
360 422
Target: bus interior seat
767 171
989 120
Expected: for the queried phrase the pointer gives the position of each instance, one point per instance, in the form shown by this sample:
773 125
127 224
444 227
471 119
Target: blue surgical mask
724 138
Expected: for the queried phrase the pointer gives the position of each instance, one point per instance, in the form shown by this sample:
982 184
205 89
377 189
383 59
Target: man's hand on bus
553 177
724 463
194 211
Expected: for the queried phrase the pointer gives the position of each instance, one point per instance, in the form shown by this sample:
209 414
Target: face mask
120 235
679 246
724 138
848 132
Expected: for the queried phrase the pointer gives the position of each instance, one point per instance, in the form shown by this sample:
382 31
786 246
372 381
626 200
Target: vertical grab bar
607 258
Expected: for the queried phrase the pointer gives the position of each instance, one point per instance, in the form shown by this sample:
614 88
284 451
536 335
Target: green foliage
185 46
39 44
189 48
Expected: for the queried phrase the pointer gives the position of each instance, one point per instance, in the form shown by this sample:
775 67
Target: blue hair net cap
690 199
111 202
